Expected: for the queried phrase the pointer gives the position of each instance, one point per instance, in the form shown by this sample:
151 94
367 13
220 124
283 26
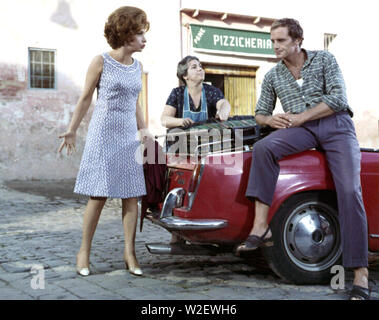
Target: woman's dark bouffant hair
123 24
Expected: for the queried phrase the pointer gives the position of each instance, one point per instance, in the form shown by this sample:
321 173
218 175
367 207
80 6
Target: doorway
237 84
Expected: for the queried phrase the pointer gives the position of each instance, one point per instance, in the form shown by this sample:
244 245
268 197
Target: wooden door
239 86
240 92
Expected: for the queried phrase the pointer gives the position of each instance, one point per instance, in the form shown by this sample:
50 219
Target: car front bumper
165 219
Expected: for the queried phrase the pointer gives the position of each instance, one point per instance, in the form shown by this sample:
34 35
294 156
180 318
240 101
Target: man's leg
344 160
265 169
260 219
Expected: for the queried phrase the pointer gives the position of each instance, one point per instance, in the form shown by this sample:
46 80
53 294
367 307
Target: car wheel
307 240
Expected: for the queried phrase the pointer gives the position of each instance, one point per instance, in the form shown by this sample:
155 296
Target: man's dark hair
295 31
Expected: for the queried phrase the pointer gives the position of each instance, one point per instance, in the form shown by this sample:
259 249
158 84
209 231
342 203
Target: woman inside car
194 101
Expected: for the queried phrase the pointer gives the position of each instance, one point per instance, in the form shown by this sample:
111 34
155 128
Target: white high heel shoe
83 271
134 271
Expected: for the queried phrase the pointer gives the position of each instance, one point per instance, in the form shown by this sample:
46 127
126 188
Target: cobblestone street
41 228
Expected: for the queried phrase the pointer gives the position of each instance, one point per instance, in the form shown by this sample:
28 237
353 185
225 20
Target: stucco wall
31 120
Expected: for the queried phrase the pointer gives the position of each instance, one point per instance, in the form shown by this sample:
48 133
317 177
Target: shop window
42 74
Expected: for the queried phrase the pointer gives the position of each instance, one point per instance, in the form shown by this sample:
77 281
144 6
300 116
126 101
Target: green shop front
231 55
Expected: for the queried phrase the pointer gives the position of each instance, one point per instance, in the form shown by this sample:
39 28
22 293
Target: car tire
307 240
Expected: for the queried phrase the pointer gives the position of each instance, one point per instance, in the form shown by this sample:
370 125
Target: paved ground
40 231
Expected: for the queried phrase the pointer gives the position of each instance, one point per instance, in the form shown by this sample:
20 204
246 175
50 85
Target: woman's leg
129 221
90 220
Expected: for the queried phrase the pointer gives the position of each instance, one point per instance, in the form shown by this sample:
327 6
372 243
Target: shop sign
233 41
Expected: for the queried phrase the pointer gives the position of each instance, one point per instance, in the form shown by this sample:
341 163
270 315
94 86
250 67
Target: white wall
31 120
355 47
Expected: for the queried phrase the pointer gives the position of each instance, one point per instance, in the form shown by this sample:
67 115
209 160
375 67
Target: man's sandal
359 293
254 242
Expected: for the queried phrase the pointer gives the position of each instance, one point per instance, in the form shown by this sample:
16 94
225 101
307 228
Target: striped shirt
323 82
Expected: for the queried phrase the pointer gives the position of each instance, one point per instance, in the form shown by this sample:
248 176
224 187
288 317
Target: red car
205 204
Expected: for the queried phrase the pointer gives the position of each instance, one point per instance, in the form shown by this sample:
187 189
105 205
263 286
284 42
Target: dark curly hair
123 24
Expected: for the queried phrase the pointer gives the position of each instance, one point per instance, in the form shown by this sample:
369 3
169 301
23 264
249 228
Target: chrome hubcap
311 236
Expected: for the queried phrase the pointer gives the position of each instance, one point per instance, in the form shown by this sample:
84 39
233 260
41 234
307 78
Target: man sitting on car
311 89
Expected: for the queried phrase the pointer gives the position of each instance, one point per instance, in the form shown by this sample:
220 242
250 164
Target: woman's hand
223 109
68 142
186 122
146 135
222 115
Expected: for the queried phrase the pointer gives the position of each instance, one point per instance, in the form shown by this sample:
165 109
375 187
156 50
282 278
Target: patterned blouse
212 94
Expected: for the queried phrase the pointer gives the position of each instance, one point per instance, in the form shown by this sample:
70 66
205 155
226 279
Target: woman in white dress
109 167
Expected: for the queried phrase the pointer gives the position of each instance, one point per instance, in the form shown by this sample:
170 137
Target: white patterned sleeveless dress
111 164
